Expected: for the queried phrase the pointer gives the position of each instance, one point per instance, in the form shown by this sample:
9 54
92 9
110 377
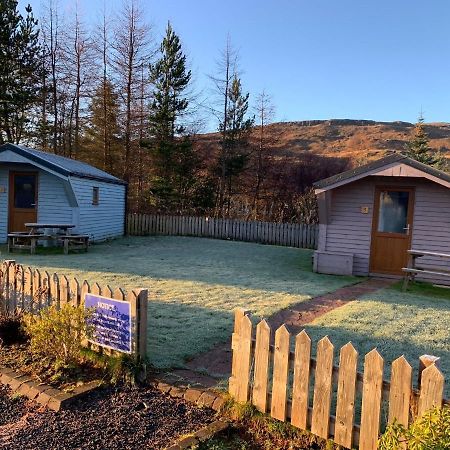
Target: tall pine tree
20 69
235 132
175 163
418 147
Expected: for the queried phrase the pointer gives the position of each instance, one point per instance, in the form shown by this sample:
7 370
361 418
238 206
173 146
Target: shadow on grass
177 332
209 261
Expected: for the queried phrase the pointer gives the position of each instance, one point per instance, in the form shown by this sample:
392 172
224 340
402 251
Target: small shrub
258 430
429 432
57 334
119 369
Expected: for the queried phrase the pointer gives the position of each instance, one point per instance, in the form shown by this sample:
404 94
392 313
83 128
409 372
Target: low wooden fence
278 381
286 234
30 290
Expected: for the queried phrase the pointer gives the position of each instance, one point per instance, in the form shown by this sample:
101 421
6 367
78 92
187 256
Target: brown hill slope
356 140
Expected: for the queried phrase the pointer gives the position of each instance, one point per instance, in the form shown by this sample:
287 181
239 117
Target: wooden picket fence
29 290
286 234
278 381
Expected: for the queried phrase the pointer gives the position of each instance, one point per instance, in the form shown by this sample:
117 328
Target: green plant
119 369
259 430
57 334
233 442
431 431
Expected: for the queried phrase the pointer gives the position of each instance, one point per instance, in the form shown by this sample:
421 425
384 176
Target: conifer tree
102 140
418 147
175 162
170 79
235 132
20 68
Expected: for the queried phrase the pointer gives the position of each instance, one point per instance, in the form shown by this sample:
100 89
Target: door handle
407 229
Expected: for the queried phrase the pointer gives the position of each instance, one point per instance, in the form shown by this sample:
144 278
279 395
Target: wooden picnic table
37 232
413 269
61 227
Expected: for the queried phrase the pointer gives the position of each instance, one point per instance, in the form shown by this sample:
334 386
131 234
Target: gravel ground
11 408
108 419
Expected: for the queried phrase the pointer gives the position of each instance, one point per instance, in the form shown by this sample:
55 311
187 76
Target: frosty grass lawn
195 284
396 323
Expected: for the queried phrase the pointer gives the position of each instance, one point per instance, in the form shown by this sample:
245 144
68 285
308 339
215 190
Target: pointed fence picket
331 401
285 234
30 290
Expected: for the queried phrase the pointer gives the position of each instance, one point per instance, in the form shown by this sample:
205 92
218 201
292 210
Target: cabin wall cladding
313 394
30 290
285 234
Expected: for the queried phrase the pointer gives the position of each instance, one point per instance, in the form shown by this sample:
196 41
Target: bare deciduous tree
131 51
77 61
50 29
227 70
265 111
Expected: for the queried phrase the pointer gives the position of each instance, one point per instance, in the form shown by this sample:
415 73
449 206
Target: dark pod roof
62 165
358 172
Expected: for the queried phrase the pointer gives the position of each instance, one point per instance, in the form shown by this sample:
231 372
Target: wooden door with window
391 229
23 189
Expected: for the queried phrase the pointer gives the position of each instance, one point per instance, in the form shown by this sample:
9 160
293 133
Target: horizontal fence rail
286 234
30 290
313 394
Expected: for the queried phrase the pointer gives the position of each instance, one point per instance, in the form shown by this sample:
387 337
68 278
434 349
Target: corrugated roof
378 164
61 164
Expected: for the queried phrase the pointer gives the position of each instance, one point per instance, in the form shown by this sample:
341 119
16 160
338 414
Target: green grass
195 284
412 324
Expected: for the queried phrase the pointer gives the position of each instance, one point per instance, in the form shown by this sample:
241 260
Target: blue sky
320 59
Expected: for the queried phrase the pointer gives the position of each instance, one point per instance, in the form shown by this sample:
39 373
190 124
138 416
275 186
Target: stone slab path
210 367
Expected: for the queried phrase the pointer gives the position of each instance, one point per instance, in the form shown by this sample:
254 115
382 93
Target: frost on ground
396 323
195 284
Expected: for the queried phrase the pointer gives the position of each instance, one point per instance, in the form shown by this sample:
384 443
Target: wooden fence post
371 401
400 391
280 373
300 389
142 309
323 388
431 389
345 409
426 361
262 356
8 280
241 345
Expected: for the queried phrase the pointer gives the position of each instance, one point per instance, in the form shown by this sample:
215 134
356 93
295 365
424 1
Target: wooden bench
23 240
413 270
74 242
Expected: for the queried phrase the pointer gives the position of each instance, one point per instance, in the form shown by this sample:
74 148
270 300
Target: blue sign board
111 322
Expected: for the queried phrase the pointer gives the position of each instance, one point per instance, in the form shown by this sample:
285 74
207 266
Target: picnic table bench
23 240
39 232
413 269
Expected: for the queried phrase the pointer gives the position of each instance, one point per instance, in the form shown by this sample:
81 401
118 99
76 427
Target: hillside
356 140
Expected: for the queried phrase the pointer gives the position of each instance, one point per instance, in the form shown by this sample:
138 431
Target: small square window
95 195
